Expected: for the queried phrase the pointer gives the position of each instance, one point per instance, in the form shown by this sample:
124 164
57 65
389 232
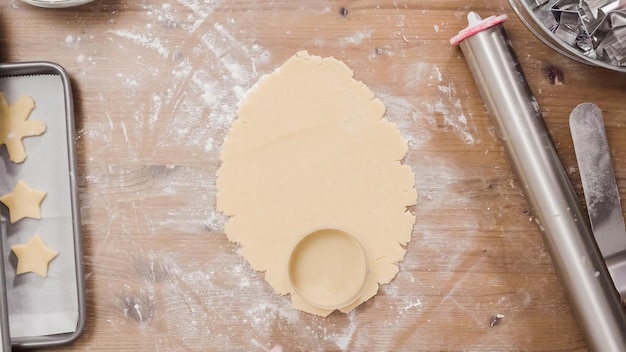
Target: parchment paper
41 306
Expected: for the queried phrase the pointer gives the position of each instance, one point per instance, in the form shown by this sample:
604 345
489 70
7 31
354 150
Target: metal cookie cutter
573 248
596 27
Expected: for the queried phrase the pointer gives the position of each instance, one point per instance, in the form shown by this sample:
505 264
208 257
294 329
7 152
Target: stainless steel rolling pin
566 232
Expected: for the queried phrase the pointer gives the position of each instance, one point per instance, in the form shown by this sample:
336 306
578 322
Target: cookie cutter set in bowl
589 31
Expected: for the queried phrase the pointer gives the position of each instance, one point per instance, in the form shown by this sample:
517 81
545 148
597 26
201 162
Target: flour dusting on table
193 98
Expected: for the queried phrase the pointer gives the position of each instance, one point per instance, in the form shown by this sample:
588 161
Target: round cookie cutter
328 268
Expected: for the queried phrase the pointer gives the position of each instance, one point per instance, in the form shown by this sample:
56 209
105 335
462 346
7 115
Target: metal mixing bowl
56 3
536 14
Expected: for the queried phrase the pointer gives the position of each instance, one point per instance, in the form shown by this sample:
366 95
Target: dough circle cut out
328 268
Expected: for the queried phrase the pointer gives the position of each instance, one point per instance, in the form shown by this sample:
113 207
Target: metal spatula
601 193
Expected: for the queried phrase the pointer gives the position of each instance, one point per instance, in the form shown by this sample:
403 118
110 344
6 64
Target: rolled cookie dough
310 149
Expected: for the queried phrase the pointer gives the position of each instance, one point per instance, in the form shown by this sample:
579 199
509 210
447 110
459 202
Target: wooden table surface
156 85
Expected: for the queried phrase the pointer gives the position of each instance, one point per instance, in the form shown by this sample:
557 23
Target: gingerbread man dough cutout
14 126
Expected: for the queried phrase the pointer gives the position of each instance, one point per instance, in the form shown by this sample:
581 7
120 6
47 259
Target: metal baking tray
44 311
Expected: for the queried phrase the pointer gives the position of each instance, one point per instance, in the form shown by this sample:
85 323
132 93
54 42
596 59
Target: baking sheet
42 306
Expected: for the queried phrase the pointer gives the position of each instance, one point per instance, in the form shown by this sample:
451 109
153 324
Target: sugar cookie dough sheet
310 149
42 306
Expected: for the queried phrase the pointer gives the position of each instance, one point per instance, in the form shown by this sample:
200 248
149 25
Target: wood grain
156 85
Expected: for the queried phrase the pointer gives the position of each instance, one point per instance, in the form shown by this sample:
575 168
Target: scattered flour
453 114
447 106
445 109
344 338
358 36
411 305
144 39
192 102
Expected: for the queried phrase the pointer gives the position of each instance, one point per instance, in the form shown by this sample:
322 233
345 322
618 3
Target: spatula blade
600 188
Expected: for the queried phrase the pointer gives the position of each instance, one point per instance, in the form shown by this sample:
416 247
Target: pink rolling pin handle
476 25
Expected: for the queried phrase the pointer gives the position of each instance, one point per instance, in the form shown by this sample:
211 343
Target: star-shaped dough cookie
23 202
14 126
33 257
